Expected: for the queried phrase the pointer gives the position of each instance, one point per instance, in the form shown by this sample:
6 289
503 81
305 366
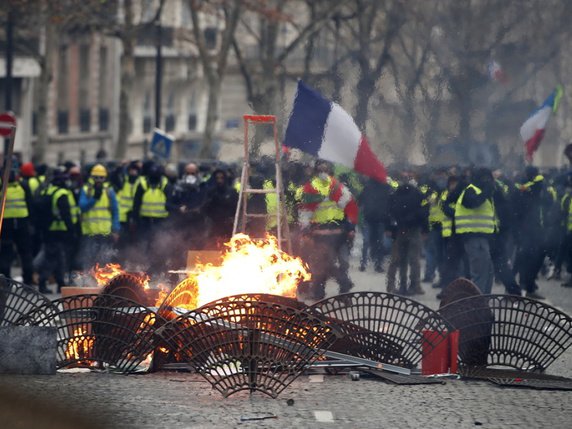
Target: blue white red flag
322 128
532 131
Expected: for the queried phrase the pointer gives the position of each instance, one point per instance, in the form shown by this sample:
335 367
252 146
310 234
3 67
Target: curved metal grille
98 330
384 327
458 289
509 331
17 300
249 344
181 299
128 286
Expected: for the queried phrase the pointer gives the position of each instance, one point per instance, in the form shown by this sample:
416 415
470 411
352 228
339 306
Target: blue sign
161 144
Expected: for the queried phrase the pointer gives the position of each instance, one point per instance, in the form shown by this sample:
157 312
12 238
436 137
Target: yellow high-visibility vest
153 204
569 222
447 222
477 220
327 210
98 219
16 206
58 224
125 199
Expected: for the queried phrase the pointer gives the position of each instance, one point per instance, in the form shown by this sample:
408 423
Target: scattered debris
258 416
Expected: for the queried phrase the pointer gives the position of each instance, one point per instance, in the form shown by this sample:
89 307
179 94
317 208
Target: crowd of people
477 223
471 222
66 219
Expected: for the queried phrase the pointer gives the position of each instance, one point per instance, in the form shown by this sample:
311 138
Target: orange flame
102 275
248 266
79 347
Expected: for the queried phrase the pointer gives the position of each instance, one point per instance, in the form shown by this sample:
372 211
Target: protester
408 217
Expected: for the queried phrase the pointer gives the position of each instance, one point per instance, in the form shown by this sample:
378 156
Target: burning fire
79 346
249 266
103 275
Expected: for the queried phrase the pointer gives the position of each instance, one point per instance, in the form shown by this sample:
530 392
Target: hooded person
328 216
28 176
220 207
531 203
408 219
475 224
99 218
151 210
60 233
16 228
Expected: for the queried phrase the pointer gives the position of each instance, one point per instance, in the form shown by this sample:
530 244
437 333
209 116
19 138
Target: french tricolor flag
322 128
532 131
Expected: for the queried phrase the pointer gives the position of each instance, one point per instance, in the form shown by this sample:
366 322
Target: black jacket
406 209
374 201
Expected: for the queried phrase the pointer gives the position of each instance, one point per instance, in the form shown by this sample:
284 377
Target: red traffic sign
7 124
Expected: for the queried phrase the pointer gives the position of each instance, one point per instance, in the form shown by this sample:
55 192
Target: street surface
181 400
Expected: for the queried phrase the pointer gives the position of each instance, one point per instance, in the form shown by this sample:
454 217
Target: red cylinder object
435 360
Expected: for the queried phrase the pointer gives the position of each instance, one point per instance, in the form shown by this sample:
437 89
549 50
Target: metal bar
367 362
279 192
9 58
259 191
242 180
260 118
6 175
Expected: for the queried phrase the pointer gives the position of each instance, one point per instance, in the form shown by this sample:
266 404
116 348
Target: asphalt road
182 400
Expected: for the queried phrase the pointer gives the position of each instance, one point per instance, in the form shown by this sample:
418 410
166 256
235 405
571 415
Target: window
83 89
192 121
170 121
34 123
62 89
103 119
210 34
104 86
63 122
84 120
147 123
147 117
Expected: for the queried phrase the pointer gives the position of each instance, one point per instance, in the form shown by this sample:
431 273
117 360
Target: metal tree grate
129 286
17 300
458 289
99 330
180 300
513 331
392 326
249 344
183 297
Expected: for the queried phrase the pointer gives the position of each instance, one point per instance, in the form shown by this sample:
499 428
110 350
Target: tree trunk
127 77
215 84
46 62
365 88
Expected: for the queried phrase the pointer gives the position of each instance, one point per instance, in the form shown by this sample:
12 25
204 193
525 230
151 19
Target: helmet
99 171
27 169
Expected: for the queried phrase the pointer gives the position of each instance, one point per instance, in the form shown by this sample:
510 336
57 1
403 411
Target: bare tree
215 65
264 67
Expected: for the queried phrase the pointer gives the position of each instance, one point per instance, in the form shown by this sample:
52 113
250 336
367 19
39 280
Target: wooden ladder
242 215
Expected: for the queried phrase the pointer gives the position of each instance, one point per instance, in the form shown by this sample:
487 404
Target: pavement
181 400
